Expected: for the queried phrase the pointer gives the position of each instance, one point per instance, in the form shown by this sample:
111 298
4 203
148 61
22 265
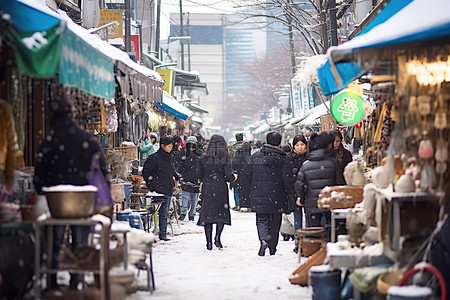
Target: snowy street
185 269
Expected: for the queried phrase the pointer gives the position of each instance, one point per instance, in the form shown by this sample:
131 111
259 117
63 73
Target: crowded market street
184 269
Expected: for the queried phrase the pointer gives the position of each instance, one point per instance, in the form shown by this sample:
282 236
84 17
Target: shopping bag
103 200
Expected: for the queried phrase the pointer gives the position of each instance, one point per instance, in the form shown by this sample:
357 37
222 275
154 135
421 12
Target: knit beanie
320 141
299 138
273 138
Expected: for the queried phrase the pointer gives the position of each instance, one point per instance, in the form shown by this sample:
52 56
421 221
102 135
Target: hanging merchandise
111 115
427 175
347 107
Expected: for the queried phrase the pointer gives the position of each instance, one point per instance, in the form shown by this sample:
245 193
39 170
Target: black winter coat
270 188
159 172
295 161
346 157
214 174
188 170
240 166
64 157
318 171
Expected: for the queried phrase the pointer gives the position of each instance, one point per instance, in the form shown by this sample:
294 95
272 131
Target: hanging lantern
347 107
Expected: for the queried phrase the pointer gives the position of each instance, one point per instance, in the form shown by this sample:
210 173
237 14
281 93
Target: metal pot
78 204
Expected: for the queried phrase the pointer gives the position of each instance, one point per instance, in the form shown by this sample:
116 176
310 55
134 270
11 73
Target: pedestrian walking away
318 171
271 193
160 176
214 171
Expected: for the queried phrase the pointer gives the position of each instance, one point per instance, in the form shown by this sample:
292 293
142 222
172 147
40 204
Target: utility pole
189 42
158 28
324 28
333 22
181 34
127 26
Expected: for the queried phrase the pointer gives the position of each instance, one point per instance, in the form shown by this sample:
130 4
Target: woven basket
127 153
300 275
346 197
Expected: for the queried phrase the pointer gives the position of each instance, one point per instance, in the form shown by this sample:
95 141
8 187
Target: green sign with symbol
347 108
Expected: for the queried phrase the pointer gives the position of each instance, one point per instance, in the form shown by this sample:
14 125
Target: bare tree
307 17
266 75
301 16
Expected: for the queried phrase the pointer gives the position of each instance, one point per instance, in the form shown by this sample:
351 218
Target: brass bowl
70 205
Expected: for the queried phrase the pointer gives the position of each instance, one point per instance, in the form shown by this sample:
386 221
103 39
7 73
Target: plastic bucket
409 292
325 283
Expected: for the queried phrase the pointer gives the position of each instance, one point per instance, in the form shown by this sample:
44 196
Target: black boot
218 243
272 251
181 218
262 249
208 234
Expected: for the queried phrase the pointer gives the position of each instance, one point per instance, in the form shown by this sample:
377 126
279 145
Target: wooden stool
310 240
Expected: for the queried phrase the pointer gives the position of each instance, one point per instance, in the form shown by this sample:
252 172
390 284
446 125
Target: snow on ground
185 269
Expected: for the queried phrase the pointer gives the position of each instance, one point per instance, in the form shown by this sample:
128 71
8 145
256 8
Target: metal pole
189 43
181 34
127 26
324 28
333 23
158 28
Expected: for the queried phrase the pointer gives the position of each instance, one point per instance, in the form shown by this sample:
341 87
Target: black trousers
268 226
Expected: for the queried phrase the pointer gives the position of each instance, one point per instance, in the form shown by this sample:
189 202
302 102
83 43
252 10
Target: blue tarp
388 11
173 107
28 18
420 20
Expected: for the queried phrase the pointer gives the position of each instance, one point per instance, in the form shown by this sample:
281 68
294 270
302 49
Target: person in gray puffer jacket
318 171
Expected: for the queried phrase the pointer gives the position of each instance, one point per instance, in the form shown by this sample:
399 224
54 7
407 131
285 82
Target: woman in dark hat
214 170
318 171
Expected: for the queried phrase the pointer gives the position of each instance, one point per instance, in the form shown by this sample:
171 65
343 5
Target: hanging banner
296 98
37 53
347 108
85 68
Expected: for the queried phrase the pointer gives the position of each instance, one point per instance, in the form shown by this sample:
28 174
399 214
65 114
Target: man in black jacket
270 191
160 176
318 171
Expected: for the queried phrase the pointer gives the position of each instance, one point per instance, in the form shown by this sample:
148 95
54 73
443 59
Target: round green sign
347 108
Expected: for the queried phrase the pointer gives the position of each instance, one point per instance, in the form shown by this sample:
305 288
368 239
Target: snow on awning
170 105
431 21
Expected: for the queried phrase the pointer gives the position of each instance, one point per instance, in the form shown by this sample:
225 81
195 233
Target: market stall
403 208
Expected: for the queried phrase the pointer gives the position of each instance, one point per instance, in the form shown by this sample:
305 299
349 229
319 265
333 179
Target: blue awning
173 107
420 20
28 17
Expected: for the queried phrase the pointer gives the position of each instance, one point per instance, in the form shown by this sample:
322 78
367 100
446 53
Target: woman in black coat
214 170
318 171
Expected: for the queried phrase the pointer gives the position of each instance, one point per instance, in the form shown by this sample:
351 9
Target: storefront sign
347 108
108 16
169 77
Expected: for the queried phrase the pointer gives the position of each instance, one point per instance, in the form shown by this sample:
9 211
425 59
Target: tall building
218 48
